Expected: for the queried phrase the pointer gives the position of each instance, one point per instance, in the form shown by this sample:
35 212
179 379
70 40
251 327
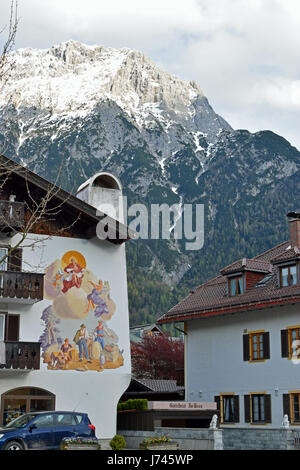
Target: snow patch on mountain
71 79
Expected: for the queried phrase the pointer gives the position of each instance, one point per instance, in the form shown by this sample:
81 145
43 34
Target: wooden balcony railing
11 215
21 355
28 287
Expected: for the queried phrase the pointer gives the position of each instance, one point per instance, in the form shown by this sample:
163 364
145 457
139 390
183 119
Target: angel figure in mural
70 276
74 275
96 302
58 280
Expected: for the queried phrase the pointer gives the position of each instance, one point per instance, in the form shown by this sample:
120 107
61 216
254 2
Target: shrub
118 442
133 404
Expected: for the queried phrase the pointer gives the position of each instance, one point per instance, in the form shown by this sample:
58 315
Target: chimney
294 229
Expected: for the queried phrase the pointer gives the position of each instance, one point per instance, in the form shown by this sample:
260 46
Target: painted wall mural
76 332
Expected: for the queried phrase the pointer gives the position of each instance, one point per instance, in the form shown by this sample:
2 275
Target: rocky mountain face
87 108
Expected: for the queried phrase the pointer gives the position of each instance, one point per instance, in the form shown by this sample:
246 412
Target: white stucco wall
108 201
214 358
94 392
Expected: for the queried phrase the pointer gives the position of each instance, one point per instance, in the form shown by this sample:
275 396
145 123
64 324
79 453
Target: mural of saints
74 275
80 309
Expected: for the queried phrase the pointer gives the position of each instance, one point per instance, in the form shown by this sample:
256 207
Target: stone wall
219 439
187 438
258 439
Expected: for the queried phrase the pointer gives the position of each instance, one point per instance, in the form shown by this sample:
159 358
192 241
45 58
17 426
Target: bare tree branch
6 62
37 209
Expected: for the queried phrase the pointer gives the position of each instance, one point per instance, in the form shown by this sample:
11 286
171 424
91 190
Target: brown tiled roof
211 298
247 265
290 254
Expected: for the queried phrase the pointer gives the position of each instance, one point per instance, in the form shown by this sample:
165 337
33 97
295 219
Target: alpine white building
64 327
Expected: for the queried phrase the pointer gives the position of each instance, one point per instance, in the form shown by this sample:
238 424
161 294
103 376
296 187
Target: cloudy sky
245 54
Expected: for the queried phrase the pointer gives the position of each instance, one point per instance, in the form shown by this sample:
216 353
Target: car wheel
13 445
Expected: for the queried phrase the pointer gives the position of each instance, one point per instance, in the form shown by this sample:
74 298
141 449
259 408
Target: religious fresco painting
76 332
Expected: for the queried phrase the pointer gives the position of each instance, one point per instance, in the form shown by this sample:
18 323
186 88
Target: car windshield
21 421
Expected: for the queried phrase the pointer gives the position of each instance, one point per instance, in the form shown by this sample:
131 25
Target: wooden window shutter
268 414
284 343
286 405
12 327
247 408
236 399
246 348
15 260
217 400
266 345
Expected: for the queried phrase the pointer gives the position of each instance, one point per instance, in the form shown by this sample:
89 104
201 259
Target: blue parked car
44 430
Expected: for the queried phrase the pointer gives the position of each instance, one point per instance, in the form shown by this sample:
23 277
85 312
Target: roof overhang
117 232
193 315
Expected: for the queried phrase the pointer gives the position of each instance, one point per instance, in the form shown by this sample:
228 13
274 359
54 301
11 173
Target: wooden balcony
11 215
21 287
21 356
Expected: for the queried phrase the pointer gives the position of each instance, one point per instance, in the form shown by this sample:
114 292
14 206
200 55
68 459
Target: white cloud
245 54
280 93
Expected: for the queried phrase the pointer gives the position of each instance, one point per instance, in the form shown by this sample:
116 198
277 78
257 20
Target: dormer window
236 285
288 275
244 274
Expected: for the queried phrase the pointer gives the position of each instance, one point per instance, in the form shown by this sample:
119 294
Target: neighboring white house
242 339
137 333
64 326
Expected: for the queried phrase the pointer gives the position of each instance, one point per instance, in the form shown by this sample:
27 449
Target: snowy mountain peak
73 78
95 108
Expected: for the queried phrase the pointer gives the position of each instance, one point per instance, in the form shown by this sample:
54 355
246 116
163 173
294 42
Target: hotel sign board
181 405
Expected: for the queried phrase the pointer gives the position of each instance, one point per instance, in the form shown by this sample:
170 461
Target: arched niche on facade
17 401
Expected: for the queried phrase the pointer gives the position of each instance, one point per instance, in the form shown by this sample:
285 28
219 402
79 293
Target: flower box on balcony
80 443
